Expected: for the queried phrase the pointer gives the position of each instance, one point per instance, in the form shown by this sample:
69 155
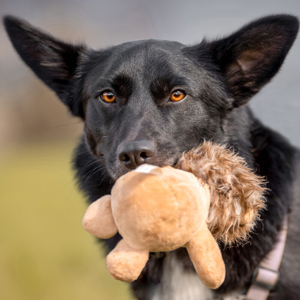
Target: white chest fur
179 284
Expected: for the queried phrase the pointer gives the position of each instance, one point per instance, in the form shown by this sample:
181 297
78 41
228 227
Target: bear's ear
53 61
250 57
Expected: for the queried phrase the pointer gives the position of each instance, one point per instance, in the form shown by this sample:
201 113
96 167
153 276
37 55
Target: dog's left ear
52 60
250 57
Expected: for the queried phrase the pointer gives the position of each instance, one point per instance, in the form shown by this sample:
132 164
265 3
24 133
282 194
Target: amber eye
177 95
108 96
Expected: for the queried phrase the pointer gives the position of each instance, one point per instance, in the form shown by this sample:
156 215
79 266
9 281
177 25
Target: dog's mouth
119 170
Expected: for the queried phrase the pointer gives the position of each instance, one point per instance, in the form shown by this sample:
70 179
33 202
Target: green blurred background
44 252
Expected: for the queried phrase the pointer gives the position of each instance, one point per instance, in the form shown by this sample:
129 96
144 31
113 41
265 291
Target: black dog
149 101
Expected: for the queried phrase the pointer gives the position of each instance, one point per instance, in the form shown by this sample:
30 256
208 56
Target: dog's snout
134 153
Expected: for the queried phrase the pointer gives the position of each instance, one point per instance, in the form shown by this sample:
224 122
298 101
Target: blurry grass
44 252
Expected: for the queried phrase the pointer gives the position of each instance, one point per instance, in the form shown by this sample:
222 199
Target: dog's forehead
146 59
146 48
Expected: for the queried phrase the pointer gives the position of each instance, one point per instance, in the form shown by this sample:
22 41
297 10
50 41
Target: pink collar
266 274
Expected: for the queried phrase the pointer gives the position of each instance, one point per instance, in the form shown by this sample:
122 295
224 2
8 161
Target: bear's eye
108 96
177 95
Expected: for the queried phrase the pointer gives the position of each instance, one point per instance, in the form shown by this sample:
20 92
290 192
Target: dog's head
149 101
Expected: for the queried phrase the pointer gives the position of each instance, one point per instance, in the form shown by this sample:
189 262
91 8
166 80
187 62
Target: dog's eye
108 96
177 95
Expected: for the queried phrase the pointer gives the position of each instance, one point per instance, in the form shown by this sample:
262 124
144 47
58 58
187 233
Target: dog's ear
53 61
250 57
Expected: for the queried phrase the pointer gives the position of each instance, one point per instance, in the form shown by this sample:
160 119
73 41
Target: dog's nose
134 153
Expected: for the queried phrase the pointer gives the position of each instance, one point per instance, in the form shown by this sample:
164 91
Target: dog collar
266 275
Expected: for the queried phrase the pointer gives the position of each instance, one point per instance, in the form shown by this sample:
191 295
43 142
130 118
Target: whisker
93 172
88 164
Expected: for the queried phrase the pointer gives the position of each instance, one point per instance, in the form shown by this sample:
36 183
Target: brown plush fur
237 194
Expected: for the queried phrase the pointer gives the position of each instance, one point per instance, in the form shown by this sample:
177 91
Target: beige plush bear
161 209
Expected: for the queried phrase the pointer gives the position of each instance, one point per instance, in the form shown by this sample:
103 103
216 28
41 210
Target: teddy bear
209 196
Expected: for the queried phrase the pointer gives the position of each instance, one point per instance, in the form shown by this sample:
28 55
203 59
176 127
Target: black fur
218 77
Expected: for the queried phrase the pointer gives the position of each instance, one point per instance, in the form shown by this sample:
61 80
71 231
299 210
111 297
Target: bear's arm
98 219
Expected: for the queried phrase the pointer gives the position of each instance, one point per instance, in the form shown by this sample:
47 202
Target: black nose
135 153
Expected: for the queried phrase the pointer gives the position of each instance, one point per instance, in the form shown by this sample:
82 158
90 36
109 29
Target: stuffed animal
162 209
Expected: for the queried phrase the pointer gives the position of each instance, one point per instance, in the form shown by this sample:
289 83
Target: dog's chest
178 284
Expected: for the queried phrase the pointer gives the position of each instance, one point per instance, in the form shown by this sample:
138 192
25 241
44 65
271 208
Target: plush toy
162 209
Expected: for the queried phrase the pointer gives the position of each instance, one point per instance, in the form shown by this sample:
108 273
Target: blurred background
44 252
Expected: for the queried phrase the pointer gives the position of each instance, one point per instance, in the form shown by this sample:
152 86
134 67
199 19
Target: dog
148 102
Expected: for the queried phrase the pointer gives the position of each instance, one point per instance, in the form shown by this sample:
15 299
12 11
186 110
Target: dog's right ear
53 61
250 57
